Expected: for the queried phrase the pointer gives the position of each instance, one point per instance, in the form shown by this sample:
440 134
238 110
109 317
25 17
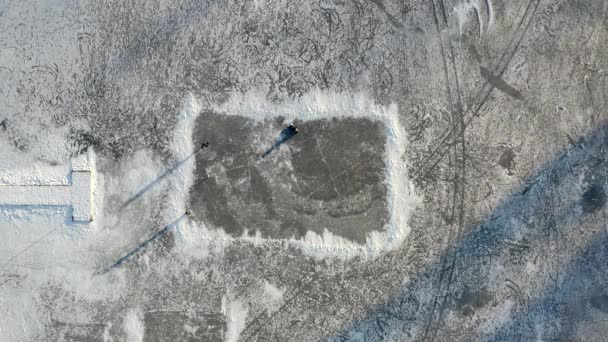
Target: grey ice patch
181 326
329 176
594 198
599 302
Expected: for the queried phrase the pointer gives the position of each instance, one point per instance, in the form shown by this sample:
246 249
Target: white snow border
316 105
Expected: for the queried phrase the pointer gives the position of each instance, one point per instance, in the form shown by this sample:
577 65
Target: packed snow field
303 170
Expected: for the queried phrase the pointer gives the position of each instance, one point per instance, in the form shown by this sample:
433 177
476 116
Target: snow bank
183 151
316 105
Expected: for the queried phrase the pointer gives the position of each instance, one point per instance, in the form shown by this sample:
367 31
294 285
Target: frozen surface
448 182
328 180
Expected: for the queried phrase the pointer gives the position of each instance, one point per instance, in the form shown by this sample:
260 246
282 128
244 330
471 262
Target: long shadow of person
286 134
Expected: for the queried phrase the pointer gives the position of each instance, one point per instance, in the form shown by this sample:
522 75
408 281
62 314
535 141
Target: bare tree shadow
409 313
158 179
553 315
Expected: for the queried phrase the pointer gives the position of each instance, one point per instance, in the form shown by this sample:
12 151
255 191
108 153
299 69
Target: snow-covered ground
46 243
494 110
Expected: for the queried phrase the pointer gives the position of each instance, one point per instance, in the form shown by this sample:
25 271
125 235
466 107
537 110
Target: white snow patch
191 330
272 297
490 14
182 178
273 292
106 333
20 313
133 326
183 151
22 169
236 318
464 8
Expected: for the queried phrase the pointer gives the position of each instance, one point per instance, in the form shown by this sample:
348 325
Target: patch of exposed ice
318 104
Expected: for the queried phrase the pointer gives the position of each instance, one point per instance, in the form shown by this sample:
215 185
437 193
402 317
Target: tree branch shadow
406 310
